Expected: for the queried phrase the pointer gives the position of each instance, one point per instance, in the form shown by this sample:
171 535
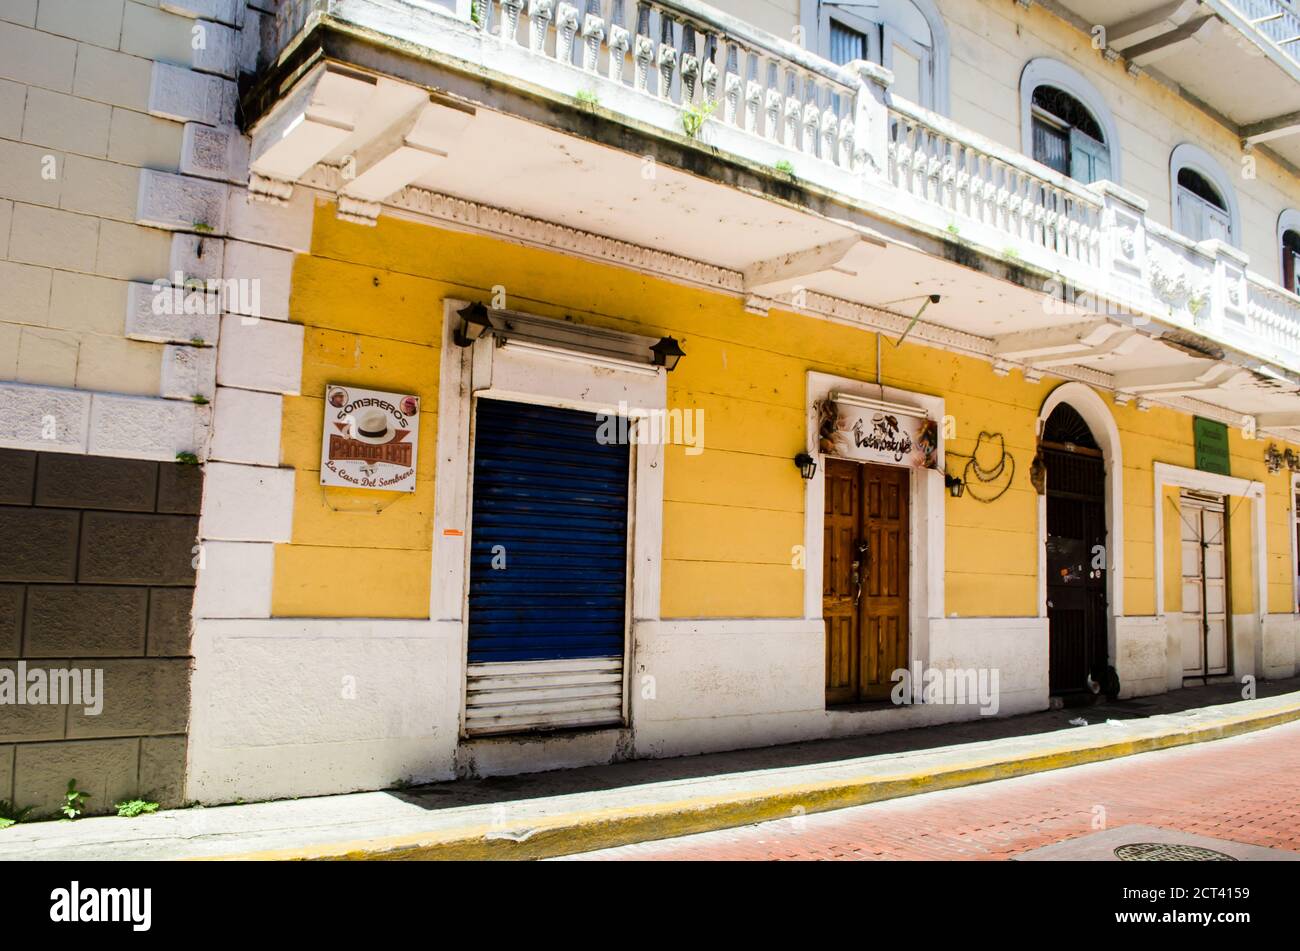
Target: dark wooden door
865 579
1076 573
841 576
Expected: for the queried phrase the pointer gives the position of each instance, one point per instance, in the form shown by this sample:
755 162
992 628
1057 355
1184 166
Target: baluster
772 128
899 151
539 22
935 168
812 114
645 48
948 173
921 161
732 87
667 56
510 20
793 109
1001 195
481 14
847 133
709 70
914 156
593 32
619 42
690 64
753 92
961 179
566 28
772 103
1045 214
831 126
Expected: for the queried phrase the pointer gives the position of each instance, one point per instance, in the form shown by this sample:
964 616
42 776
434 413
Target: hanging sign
1211 440
370 439
878 435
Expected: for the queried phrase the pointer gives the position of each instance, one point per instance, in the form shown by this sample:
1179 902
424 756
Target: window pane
846 45
1051 147
907 75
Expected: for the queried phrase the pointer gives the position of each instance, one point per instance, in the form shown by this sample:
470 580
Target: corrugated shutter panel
548 571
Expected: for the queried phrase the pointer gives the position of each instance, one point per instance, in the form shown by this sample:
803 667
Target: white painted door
912 67
1205 587
1200 220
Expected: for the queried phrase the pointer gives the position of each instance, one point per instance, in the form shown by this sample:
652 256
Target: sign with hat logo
370 439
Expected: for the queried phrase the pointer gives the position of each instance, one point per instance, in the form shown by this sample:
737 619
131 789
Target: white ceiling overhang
375 142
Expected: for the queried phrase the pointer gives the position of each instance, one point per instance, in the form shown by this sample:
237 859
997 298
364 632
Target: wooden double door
865 579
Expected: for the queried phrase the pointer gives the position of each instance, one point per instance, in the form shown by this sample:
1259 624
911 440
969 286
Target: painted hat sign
370 439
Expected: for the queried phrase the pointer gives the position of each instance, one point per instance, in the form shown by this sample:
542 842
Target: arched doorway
1076 552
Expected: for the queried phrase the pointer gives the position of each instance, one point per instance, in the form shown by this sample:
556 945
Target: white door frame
486 370
1101 423
1294 545
926 500
1183 478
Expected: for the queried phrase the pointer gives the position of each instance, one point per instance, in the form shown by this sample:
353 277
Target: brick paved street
1245 789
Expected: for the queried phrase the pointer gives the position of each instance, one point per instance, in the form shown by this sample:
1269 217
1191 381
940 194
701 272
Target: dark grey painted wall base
96 574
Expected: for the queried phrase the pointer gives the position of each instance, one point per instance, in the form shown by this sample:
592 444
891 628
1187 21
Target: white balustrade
680 52
937 162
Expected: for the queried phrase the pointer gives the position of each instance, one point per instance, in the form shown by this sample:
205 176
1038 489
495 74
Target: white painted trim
1101 422
1292 522
1190 155
487 370
1051 72
1184 478
926 508
1288 220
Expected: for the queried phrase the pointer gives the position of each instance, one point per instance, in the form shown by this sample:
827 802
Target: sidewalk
558 813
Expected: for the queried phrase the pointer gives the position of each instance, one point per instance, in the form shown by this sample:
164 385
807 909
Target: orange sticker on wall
453 532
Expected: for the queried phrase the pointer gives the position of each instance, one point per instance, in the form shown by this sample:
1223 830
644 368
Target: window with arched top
1290 254
1067 137
1065 123
1204 203
905 36
1288 239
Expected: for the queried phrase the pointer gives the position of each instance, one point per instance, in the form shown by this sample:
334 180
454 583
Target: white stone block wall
118 155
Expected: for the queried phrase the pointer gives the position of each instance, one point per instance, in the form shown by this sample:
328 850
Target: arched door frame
1088 404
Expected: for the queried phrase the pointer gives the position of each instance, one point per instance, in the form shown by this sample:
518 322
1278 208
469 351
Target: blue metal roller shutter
548 570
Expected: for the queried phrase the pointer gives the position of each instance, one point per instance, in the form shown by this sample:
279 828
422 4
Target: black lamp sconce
954 485
807 465
474 323
667 352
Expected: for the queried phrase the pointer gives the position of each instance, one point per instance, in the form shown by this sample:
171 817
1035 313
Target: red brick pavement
1245 789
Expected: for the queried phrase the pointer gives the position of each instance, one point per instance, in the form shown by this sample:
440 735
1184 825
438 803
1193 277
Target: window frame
1191 156
1288 220
1045 71
815 16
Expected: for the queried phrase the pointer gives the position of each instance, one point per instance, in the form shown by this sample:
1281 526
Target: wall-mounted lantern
474 323
954 485
667 352
807 465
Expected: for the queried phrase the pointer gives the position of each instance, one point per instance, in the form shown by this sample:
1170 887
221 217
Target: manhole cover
1166 852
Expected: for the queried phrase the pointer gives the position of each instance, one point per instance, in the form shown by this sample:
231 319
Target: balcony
724 156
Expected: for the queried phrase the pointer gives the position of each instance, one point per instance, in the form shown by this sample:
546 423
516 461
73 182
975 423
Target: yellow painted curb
605 828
